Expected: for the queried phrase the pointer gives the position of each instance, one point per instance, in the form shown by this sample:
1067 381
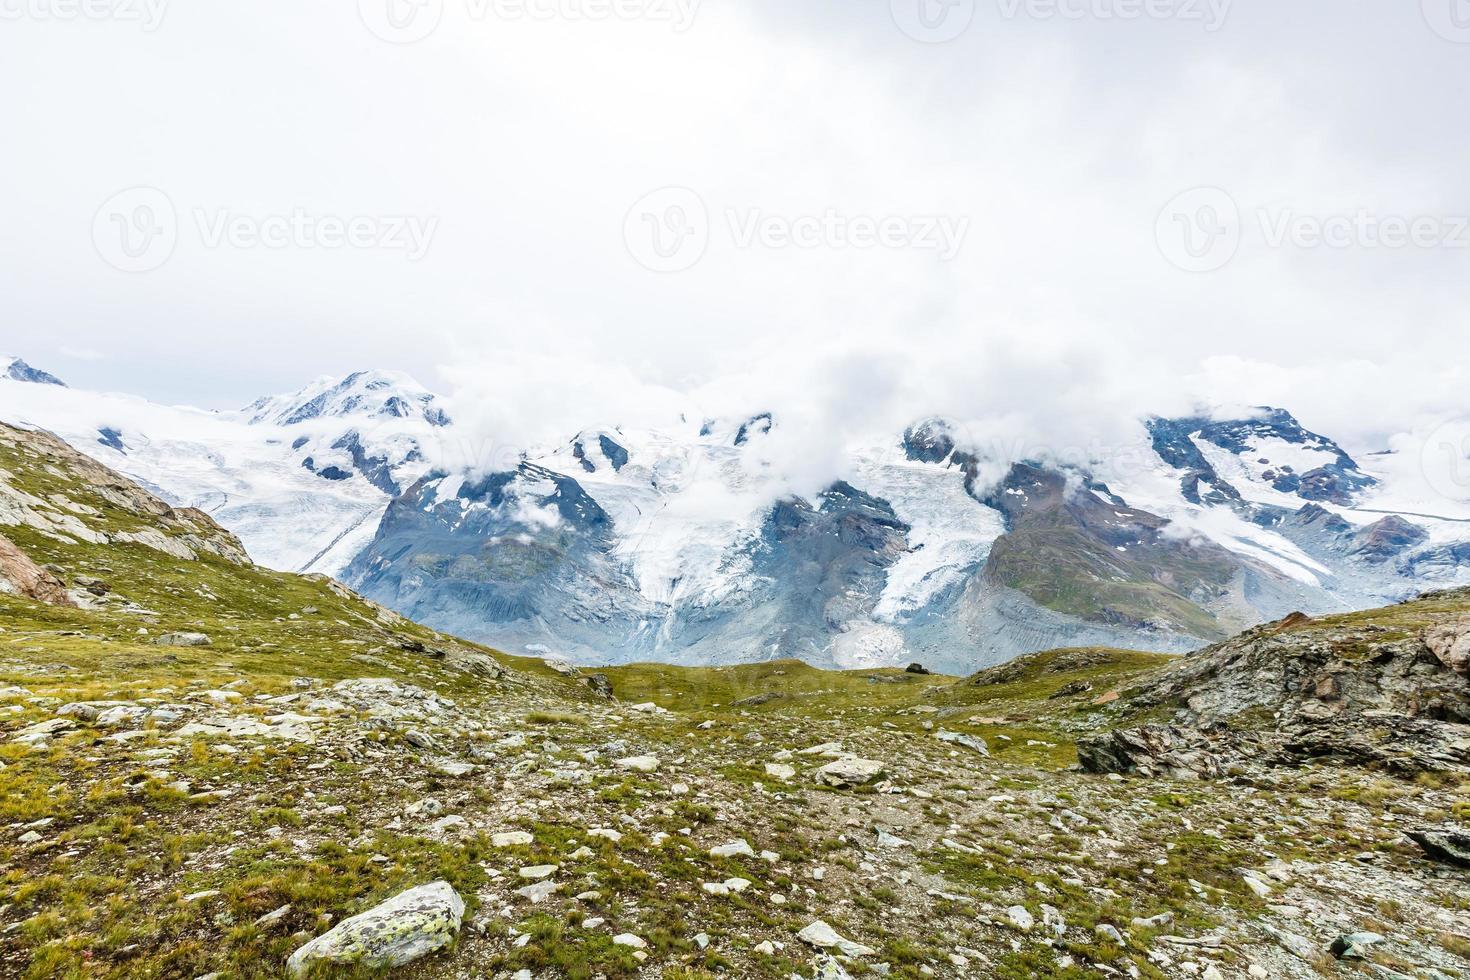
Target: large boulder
21 576
1451 644
404 928
850 771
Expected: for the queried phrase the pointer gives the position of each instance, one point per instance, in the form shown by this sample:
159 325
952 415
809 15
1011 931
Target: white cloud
1057 323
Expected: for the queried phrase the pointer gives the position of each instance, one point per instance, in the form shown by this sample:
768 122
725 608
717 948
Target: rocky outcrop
1161 751
21 576
1389 691
1449 846
95 505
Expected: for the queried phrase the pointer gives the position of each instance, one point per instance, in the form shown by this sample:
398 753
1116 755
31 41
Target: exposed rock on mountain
1082 551
1273 449
21 576
16 369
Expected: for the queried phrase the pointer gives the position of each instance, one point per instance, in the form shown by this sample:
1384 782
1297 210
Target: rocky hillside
210 769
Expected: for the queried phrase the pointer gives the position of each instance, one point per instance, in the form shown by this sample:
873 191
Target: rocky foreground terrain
211 770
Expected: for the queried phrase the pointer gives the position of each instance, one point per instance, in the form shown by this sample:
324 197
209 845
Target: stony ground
215 824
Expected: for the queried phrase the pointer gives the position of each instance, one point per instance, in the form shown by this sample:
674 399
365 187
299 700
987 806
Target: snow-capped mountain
303 479
674 545
684 544
15 369
365 394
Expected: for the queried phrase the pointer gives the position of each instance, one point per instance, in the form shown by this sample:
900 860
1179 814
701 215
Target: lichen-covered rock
401 930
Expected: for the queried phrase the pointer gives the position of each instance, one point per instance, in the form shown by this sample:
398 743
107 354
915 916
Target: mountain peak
362 394
16 369
1270 449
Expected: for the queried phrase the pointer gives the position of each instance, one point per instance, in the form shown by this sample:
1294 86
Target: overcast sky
867 221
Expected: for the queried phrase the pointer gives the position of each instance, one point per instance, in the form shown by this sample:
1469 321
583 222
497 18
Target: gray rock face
1449 846
1301 690
1154 751
401 930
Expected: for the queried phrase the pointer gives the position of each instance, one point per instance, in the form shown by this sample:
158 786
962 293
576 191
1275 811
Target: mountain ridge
604 548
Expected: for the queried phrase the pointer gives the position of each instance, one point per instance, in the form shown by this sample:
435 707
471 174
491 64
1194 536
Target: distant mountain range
680 545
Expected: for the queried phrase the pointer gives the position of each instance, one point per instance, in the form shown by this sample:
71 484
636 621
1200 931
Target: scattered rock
967 741
1354 946
823 936
183 640
639 763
